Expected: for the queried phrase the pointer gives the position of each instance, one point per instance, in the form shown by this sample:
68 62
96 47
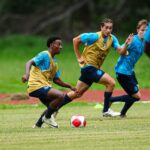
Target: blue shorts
42 94
128 82
90 74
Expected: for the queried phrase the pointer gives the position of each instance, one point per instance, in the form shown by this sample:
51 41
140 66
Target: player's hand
25 78
81 60
129 39
73 88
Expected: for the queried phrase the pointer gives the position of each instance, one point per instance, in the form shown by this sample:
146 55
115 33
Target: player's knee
61 96
112 84
137 96
78 94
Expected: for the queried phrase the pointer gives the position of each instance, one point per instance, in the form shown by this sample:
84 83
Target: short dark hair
52 39
106 20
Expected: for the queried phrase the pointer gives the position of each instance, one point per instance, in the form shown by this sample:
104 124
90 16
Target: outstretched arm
123 50
25 77
59 82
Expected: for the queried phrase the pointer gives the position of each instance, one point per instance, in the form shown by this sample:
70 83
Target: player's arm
25 77
123 50
76 46
59 82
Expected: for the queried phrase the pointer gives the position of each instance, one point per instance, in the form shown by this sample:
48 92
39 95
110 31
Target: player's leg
40 120
54 97
51 98
129 84
81 88
82 85
129 101
109 83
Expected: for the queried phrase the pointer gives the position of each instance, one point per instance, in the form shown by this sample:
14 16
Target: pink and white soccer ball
78 121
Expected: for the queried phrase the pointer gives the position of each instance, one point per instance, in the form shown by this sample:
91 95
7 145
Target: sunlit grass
100 133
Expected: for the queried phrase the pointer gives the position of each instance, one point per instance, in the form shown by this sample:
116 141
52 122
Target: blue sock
40 121
65 101
122 98
107 96
49 112
127 105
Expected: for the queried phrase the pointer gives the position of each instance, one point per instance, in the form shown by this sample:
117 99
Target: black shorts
90 74
42 95
128 82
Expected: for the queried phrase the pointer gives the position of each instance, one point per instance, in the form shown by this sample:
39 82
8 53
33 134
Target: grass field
100 133
16 50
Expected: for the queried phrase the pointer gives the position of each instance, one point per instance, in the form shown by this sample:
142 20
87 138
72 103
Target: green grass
100 133
16 50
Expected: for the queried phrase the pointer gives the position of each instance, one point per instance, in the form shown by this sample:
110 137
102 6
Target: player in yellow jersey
96 48
40 72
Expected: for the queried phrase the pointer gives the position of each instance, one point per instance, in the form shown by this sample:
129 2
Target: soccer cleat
123 116
50 121
111 113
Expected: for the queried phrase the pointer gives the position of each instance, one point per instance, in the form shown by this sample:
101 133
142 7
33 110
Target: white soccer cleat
50 121
111 113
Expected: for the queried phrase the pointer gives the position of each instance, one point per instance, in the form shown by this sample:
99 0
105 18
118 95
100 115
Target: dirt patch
89 96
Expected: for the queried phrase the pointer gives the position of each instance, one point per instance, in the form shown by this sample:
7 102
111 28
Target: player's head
106 26
55 44
141 27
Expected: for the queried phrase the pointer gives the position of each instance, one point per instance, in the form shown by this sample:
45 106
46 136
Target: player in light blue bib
125 69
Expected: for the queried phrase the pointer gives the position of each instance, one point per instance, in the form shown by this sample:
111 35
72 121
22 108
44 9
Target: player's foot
111 113
123 116
50 121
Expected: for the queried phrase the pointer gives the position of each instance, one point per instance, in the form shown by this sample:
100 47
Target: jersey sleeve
89 38
39 58
115 43
57 75
147 34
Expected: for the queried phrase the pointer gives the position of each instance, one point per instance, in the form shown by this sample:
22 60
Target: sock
49 112
65 101
122 98
127 105
40 122
107 96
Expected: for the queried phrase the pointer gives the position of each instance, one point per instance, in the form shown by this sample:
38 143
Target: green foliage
99 134
19 6
17 50
51 17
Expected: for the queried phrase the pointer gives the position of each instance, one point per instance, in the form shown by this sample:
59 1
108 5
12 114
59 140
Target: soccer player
147 40
96 48
125 69
40 72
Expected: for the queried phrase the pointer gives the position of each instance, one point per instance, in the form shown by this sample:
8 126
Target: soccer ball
78 121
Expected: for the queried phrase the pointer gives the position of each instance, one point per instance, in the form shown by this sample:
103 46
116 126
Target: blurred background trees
69 17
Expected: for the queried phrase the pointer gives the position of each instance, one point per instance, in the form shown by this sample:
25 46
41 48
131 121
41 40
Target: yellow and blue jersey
125 64
96 47
147 34
44 71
